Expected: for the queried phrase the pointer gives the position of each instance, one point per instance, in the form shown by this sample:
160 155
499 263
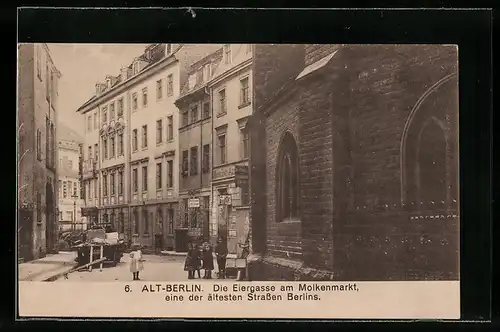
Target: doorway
50 218
25 235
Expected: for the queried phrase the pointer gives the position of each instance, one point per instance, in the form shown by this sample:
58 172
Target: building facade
130 167
70 201
37 155
195 148
358 156
231 97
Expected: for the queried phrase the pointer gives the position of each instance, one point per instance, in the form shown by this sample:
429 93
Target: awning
316 65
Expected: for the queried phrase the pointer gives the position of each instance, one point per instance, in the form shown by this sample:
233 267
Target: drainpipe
127 166
211 160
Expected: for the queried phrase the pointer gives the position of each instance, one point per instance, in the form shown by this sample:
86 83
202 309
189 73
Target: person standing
191 257
221 254
136 263
208 260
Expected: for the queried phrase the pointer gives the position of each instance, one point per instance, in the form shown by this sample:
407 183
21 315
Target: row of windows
159 92
221 155
69 189
244 97
116 109
143 219
112 149
159 177
192 116
190 165
159 134
51 81
115 182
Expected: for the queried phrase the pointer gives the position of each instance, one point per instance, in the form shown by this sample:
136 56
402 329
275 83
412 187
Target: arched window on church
287 180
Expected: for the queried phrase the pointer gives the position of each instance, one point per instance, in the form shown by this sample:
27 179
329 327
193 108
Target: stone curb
59 274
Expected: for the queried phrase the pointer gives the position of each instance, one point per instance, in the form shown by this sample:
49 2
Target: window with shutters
185 162
194 160
159 89
134 101
112 183
158 176
105 114
222 102
112 146
120 144
145 137
120 182
135 180
119 111
134 140
144 178
170 129
170 85
145 97
206 158
170 173
112 111
244 92
194 113
206 110
159 131
105 185
105 147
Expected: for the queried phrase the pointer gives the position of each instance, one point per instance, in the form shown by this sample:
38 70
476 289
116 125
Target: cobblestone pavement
156 268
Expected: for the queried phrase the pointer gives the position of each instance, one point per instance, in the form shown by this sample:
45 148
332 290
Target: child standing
136 263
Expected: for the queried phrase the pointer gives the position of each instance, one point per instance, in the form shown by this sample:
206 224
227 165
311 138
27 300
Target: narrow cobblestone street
156 268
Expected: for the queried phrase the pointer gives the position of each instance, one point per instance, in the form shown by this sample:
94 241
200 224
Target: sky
82 66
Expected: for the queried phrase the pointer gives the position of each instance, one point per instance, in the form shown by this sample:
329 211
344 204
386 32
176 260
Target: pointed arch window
287 180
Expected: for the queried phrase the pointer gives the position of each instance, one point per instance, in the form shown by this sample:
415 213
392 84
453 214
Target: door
25 232
50 218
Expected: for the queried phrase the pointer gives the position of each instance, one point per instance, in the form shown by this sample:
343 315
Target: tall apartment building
195 147
70 199
130 164
37 136
230 92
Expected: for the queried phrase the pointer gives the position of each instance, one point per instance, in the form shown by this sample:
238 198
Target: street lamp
75 197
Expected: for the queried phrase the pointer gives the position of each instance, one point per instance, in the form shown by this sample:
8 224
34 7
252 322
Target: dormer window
169 49
206 72
227 53
191 81
136 67
108 82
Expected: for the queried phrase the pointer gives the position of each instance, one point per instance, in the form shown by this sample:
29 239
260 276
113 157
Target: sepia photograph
204 164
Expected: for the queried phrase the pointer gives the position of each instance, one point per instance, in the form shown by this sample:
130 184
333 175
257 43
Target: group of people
200 257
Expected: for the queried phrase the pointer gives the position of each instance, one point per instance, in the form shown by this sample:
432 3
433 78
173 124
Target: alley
156 268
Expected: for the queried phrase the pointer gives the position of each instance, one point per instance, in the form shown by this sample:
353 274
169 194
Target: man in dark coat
221 254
